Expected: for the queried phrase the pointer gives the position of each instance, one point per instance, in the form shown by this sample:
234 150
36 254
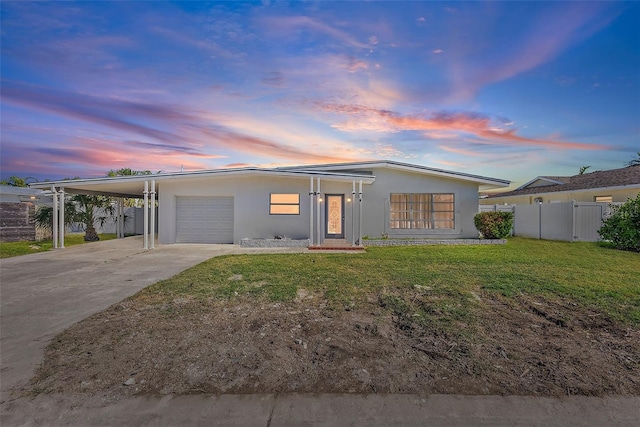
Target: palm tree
16 181
81 209
127 172
44 216
87 209
583 169
634 162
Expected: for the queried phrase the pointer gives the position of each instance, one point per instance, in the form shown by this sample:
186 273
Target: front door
334 216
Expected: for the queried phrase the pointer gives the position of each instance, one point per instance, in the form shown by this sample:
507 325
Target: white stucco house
316 203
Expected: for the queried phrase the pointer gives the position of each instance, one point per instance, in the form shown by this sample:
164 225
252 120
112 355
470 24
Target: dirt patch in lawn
515 346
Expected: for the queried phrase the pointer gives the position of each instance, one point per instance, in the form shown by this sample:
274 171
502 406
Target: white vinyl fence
568 221
133 222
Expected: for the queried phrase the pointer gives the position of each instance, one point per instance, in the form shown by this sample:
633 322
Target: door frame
326 217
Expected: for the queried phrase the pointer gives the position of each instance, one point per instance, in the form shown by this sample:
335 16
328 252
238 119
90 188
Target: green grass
12 249
424 283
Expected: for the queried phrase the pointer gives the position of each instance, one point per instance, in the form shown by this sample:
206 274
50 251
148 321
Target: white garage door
204 219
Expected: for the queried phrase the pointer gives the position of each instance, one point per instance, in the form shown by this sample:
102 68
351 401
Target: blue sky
510 90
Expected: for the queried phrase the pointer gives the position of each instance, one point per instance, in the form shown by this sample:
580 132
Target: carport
135 187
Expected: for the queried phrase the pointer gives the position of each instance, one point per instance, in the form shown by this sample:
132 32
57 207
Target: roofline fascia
413 168
366 179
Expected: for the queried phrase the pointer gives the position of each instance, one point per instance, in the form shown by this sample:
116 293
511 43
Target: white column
146 215
54 225
360 215
152 232
61 219
311 211
121 217
117 222
353 202
318 203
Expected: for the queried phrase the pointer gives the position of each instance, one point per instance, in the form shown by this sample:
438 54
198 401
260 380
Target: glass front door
334 216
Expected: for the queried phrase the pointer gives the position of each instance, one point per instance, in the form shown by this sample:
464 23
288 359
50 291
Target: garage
204 219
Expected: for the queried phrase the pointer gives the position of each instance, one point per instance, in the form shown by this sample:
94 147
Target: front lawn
11 249
594 277
526 318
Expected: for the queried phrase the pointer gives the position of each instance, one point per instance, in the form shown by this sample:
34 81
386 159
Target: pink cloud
458 123
355 65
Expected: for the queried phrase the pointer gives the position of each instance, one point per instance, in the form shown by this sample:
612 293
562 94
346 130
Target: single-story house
17 209
12 194
345 201
616 185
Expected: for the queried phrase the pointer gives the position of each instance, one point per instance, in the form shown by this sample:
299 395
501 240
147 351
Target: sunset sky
510 90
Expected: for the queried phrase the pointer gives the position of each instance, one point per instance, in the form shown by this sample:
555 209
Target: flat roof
133 185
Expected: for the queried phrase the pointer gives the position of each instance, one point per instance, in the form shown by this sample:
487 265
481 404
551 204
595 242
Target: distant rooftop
599 179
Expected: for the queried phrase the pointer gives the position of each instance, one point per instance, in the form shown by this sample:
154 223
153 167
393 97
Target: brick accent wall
16 222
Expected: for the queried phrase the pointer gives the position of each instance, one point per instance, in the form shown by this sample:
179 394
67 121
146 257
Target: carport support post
152 232
318 210
117 222
121 216
61 218
353 203
310 211
54 229
146 215
360 215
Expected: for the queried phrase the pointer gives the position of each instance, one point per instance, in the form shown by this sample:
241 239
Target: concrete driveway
43 293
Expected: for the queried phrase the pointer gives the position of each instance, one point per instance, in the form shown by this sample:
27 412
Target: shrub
622 228
494 225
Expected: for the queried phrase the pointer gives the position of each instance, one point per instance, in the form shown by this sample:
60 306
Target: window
422 211
284 204
606 199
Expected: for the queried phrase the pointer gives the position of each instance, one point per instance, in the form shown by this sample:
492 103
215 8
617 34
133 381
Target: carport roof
133 186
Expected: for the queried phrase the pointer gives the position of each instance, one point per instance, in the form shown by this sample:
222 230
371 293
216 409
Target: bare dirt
516 346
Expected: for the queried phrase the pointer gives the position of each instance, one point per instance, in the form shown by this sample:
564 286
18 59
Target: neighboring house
616 185
334 201
11 194
17 208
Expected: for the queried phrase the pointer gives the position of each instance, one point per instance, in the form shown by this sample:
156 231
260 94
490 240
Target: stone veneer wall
289 243
274 243
416 242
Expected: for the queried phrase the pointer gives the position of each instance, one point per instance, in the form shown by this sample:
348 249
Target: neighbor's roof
18 191
629 176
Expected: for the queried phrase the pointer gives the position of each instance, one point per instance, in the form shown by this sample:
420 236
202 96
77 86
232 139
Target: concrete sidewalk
270 410
44 293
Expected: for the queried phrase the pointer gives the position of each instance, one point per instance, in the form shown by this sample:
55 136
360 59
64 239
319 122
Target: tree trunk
90 235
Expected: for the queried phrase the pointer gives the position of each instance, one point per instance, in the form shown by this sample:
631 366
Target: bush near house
622 228
494 225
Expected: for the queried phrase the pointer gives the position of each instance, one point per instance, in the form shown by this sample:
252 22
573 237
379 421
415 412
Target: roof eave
366 179
486 181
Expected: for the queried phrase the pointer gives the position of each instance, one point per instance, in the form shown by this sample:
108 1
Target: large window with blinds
422 211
